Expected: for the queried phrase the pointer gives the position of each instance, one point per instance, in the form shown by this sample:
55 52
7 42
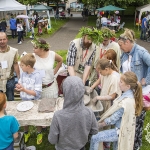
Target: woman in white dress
45 60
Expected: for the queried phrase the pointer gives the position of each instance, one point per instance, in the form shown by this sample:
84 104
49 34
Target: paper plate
24 106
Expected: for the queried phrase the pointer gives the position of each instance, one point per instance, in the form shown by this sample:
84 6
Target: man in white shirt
104 21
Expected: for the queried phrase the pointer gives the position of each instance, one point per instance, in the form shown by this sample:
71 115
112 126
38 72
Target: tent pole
135 19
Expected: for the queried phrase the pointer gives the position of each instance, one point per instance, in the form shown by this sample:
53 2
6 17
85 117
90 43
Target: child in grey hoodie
72 125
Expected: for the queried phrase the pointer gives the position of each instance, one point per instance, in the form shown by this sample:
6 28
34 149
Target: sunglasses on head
122 38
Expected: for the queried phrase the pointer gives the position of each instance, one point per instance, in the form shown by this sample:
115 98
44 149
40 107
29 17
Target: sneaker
26 137
39 138
20 42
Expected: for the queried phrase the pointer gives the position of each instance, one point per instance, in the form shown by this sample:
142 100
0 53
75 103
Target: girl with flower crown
45 60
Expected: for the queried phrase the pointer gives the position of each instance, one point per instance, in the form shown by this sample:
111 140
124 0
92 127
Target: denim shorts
10 147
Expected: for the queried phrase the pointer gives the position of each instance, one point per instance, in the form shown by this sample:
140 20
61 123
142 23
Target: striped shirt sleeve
72 52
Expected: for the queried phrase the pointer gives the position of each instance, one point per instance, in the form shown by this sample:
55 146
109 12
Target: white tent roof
143 9
10 5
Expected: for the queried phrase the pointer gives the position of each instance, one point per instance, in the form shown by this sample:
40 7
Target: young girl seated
122 114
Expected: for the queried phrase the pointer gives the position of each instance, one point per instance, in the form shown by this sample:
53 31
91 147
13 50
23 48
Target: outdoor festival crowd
118 69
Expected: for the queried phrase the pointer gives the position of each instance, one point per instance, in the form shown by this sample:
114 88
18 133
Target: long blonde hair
130 78
104 63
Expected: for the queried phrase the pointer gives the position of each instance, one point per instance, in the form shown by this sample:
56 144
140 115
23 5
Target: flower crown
93 34
38 43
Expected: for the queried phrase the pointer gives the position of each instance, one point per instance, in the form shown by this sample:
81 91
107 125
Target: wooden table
30 117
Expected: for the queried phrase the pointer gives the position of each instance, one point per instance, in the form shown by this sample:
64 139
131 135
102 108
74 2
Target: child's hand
89 90
143 82
94 100
19 87
101 125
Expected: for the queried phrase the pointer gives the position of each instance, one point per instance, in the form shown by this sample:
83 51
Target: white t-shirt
103 19
19 27
46 66
126 66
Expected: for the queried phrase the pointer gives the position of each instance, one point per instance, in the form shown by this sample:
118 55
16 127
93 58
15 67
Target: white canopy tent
11 5
142 9
8 7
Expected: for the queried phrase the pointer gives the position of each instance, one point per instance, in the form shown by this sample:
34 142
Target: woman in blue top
136 59
9 127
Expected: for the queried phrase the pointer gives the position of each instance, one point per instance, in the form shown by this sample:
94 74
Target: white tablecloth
113 24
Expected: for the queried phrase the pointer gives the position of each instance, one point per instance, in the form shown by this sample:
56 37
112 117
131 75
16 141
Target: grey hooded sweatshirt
71 126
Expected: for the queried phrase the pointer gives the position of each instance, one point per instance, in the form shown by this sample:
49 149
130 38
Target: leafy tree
119 3
33 2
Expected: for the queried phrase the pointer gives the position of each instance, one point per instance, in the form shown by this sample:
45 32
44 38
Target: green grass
145 143
62 53
91 22
55 24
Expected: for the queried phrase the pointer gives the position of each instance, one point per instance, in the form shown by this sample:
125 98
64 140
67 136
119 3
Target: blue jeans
14 33
143 34
104 24
10 147
104 136
19 36
10 89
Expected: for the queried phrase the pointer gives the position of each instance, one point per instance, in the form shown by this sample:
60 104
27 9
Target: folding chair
121 26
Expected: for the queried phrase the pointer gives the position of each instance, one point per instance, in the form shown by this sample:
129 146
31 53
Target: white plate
24 106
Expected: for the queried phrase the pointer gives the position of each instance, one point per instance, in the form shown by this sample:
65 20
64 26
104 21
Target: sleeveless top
46 65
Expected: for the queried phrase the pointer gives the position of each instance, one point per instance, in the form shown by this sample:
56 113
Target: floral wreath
93 34
107 33
36 42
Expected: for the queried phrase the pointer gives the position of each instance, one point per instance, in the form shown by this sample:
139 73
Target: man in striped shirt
80 56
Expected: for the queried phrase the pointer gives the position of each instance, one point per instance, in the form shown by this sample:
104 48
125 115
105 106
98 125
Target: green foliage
63 54
93 34
33 2
37 43
118 3
107 33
